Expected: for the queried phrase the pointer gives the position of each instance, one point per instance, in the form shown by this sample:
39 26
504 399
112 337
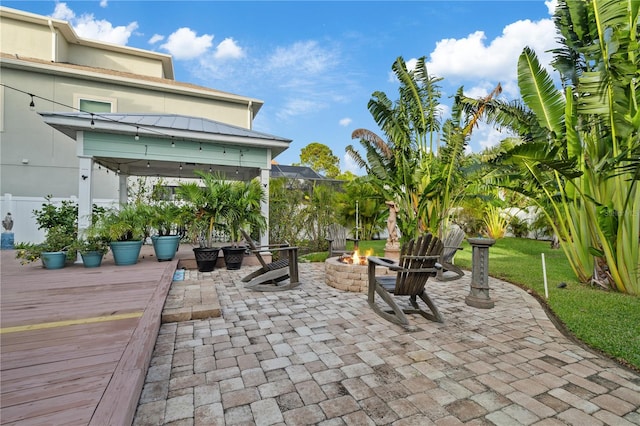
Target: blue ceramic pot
53 259
166 246
92 259
125 252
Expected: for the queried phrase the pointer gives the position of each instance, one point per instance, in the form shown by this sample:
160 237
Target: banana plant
409 167
581 145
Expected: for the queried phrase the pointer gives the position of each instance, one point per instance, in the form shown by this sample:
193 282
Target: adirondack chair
337 237
418 261
451 242
271 274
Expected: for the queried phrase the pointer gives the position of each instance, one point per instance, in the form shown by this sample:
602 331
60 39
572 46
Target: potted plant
92 249
52 251
126 229
244 210
208 203
60 225
166 218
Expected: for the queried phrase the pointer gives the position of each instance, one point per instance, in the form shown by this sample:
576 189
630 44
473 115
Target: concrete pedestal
478 296
392 252
7 241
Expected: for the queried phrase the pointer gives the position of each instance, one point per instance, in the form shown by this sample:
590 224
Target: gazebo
163 145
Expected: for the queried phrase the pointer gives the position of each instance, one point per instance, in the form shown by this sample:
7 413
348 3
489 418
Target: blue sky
315 64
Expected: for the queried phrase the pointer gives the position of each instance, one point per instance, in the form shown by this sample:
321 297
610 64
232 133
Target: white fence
25 228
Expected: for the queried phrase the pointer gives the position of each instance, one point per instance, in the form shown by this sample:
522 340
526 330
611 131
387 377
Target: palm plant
581 147
208 201
129 222
244 209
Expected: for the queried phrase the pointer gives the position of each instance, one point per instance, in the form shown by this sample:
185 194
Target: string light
93 115
108 118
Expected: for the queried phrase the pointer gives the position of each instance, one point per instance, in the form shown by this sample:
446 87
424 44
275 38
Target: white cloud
486 136
63 12
345 121
308 76
350 165
475 59
104 3
185 44
302 57
299 106
156 38
96 29
228 49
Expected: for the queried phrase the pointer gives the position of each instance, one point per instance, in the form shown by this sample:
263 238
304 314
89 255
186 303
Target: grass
604 320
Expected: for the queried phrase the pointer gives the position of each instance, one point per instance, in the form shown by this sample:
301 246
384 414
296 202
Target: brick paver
320 356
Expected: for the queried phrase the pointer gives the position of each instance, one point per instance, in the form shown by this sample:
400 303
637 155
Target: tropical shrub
579 154
495 222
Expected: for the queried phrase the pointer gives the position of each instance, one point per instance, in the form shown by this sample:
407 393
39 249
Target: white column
264 180
85 196
122 189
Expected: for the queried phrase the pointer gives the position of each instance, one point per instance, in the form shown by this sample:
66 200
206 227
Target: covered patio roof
168 145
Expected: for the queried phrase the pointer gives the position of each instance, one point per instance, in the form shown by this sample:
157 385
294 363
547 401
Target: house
78 118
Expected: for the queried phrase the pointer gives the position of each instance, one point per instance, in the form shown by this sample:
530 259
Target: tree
424 183
372 211
581 148
321 159
286 222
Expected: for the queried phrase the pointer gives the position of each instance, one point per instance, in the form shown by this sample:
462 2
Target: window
87 105
95 104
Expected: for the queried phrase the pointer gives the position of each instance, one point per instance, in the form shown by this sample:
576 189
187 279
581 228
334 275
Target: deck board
75 343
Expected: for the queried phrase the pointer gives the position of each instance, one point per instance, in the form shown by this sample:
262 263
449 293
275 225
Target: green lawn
604 320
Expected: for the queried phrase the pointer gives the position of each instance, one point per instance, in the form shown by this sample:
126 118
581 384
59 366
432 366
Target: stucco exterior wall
25 38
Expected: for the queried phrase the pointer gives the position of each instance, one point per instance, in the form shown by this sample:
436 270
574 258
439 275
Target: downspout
250 116
54 43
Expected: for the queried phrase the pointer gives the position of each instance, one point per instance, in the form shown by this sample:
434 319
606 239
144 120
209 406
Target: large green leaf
539 93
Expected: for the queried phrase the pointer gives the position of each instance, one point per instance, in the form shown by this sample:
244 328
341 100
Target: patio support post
478 296
264 180
85 195
122 189
84 192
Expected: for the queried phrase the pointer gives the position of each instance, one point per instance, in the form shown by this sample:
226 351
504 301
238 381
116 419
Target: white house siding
59 69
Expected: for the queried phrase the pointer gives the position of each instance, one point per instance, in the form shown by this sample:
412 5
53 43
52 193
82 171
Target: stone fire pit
348 277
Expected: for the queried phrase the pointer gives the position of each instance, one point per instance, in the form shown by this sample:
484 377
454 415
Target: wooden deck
75 343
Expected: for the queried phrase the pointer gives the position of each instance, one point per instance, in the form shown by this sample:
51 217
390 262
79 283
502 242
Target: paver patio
318 355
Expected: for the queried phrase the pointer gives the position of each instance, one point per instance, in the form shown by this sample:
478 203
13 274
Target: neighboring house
77 117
